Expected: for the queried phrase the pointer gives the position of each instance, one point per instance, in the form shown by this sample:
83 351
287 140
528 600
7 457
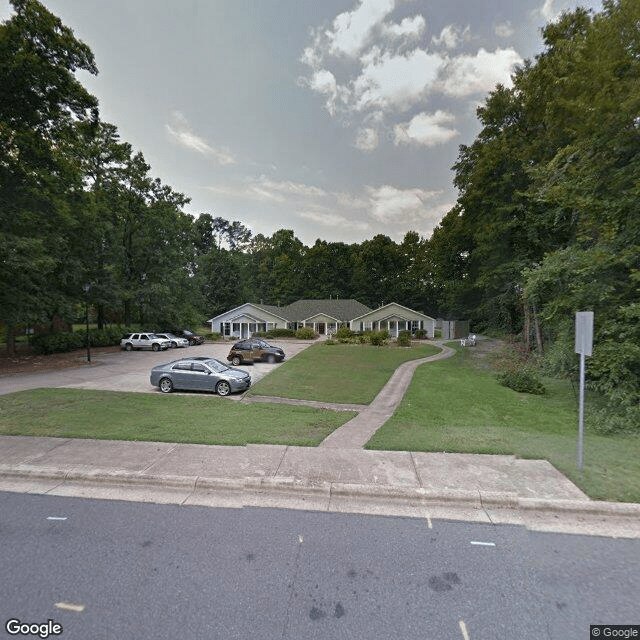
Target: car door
181 375
201 377
256 351
144 342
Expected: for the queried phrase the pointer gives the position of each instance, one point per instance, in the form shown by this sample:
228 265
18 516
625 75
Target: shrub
344 334
305 333
521 380
213 336
281 333
404 339
421 334
379 338
58 342
330 341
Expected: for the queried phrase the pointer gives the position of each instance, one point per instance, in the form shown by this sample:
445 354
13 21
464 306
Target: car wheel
223 388
166 386
235 361
128 346
174 345
155 346
271 358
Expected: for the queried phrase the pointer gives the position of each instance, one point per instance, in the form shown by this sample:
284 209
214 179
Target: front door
321 328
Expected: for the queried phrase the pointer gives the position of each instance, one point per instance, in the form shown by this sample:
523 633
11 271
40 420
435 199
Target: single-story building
323 316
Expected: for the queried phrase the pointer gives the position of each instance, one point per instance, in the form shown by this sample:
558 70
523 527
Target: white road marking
429 524
484 544
463 628
55 518
70 606
300 539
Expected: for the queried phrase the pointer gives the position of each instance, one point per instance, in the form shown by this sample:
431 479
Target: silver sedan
199 373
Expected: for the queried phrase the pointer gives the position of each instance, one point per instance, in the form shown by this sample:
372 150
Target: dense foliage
546 222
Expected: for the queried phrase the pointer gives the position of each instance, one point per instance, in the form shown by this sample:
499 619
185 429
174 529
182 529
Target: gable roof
396 306
343 310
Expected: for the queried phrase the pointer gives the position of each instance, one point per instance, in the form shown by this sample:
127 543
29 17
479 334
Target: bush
421 334
379 338
521 380
404 339
330 341
213 336
58 342
344 334
281 333
305 333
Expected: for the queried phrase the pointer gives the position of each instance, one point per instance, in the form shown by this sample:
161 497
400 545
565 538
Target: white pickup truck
144 341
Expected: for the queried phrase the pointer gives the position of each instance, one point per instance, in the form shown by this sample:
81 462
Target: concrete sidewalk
432 486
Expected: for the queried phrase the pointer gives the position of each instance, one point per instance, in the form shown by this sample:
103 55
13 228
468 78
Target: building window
415 325
226 328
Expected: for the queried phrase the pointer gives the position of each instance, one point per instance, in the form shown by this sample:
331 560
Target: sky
338 119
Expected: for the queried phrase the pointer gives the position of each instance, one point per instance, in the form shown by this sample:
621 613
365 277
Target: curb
292 487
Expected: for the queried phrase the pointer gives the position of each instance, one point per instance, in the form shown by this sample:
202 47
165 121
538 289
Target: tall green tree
41 102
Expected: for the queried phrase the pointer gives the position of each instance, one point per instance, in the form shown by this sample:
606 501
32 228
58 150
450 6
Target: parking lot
129 370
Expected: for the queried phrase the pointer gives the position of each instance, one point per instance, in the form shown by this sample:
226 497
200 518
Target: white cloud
323 81
426 129
352 29
466 75
451 36
408 29
392 81
330 219
180 133
390 204
367 139
503 29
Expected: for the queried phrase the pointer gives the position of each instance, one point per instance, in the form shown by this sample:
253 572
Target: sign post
584 346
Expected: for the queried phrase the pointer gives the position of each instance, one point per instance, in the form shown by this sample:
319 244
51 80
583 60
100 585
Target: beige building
323 316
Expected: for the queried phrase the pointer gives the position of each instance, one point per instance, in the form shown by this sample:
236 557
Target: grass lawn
456 405
111 415
342 373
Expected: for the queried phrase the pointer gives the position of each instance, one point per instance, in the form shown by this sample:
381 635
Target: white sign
584 332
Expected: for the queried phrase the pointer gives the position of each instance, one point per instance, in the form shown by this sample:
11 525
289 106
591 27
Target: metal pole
581 413
86 310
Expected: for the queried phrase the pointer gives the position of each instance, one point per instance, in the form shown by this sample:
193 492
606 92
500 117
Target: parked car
189 335
199 374
146 340
254 350
174 340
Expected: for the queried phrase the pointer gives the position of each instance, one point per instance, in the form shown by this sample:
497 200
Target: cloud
503 29
451 36
352 29
466 75
265 189
426 129
408 29
392 81
323 81
180 133
367 139
390 204
330 219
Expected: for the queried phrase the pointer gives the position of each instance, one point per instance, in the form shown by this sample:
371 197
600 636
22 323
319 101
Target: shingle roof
343 310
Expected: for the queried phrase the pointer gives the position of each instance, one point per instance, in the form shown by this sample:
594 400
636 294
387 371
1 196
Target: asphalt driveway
129 370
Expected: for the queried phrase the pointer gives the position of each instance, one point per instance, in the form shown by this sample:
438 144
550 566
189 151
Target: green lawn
343 373
111 415
454 405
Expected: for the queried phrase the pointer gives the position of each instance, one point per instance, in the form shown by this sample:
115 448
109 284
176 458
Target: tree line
546 222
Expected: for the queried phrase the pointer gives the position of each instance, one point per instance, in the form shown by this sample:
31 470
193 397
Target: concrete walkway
358 431
431 486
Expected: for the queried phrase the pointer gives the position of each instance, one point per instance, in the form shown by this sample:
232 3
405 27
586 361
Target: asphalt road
111 570
129 370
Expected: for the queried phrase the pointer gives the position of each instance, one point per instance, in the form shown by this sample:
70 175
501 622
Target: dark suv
254 350
189 335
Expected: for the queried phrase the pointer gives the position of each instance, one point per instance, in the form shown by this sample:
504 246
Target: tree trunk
11 341
538 332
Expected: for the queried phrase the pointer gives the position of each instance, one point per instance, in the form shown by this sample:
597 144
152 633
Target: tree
41 103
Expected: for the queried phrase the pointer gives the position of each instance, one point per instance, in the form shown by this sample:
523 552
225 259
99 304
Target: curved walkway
359 430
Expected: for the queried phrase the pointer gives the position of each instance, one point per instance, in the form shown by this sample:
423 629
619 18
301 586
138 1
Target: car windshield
153 336
187 332
217 366
263 344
